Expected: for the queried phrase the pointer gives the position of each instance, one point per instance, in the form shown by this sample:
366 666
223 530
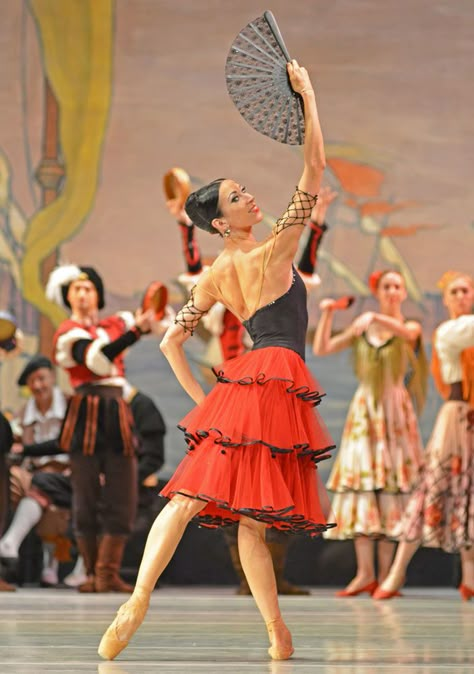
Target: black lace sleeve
190 315
298 211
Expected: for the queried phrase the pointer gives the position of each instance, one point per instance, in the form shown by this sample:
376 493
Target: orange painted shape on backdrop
384 207
408 230
356 178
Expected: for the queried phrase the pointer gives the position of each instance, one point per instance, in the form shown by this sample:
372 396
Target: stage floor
210 630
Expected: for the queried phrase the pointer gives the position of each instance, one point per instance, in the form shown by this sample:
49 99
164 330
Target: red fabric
232 338
253 444
114 326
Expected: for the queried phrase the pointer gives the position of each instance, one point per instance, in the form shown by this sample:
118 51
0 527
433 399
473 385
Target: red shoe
370 589
386 594
466 592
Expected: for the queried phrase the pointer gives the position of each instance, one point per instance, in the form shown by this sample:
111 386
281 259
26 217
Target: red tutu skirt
253 445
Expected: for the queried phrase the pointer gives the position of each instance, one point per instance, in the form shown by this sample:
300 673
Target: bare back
251 274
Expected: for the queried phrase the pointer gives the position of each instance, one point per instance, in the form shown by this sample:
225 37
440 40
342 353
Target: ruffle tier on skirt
440 512
377 466
253 445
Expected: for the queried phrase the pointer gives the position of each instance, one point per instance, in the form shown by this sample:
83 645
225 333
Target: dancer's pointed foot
128 619
352 590
280 638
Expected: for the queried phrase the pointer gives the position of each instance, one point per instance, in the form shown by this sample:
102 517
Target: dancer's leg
396 576
165 534
385 552
258 568
467 566
27 515
364 549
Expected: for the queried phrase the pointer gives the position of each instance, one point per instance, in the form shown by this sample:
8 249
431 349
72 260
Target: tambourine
7 331
344 302
177 185
156 298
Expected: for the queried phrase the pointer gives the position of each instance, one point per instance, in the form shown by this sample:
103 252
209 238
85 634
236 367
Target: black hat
87 274
61 278
36 363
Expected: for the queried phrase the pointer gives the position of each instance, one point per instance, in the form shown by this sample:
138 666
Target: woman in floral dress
380 457
440 513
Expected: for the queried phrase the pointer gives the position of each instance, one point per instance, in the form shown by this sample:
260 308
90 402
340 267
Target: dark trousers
107 508
56 486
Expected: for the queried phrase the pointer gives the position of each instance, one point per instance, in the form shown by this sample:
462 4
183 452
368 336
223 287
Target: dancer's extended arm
324 343
410 330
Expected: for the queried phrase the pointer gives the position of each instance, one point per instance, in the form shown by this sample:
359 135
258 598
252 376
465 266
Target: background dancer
440 512
98 428
381 453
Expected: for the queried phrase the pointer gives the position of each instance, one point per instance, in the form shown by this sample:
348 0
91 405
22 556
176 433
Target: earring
227 232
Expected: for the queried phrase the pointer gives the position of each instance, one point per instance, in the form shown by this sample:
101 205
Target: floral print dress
381 454
440 513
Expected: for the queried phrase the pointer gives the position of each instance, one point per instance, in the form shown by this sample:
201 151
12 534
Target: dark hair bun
202 206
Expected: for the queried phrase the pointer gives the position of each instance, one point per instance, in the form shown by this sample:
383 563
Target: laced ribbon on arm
298 211
190 315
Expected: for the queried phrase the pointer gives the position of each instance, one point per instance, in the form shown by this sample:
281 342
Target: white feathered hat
61 278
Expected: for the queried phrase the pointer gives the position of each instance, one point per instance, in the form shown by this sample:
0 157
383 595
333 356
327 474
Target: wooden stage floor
210 630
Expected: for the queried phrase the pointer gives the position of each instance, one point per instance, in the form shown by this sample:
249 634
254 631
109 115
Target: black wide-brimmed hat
36 363
258 82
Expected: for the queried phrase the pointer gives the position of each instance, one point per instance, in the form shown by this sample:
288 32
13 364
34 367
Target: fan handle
270 19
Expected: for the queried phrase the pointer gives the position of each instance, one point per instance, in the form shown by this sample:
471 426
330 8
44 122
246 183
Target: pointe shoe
283 650
128 619
370 588
466 592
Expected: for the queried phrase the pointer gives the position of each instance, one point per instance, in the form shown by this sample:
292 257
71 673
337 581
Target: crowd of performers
254 442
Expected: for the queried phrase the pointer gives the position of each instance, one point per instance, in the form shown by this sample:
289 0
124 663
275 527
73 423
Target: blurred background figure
381 454
440 513
40 486
98 429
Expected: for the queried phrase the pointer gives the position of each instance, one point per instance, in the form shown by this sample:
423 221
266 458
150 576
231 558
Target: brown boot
234 555
87 546
107 569
278 552
6 587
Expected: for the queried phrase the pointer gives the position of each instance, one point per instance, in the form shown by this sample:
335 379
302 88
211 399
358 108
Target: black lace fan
259 85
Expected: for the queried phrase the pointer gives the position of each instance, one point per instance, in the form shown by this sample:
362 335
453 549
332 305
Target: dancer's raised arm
304 199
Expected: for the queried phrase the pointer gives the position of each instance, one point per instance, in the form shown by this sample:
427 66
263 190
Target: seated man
6 441
40 488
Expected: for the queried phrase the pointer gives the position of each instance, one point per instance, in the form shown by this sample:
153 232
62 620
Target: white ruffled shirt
452 337
46 426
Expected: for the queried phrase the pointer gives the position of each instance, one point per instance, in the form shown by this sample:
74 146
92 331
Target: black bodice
282 322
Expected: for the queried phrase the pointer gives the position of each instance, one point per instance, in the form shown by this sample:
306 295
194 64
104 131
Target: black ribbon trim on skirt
302 449
295 524
304 393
